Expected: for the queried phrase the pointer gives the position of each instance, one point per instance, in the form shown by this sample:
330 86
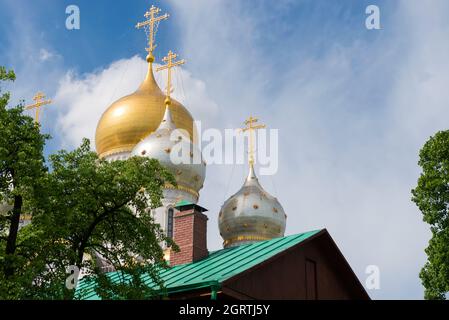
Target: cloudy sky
353 106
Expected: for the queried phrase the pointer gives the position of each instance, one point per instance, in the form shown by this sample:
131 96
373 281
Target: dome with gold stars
166 143
251 215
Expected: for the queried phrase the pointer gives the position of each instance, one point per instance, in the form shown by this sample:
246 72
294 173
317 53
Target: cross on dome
150 26
249 123
170 59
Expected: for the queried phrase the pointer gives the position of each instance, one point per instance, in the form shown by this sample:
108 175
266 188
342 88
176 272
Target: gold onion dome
251 215
133 117
167 143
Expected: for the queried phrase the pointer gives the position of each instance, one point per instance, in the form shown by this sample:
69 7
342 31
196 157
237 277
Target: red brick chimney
189 233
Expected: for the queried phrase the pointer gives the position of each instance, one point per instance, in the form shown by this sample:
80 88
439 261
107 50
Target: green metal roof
217 267
183 203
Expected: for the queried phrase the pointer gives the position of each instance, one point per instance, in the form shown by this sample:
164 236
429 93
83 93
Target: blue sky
353 106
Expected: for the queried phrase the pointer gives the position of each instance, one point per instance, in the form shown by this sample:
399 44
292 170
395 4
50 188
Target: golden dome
133 117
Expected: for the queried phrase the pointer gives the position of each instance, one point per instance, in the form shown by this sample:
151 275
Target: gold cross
251 128
40 101
171 63
151 21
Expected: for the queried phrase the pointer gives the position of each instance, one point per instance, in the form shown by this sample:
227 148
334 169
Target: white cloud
45 55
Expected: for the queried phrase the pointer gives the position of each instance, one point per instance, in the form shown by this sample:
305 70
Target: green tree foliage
21 167
87 205
432 197
84 207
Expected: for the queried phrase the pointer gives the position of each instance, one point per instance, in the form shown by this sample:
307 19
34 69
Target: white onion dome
251 215
166 144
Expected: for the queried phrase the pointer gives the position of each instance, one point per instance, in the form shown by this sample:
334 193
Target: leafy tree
88 206
432 197
21 166
83 208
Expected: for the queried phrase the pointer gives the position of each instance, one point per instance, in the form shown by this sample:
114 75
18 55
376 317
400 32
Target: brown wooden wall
313 270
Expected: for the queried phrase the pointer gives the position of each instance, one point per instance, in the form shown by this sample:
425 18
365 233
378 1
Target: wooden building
301 266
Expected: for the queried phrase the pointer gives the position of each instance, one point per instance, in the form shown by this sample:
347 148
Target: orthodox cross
150 26
170 59
40 101
251 127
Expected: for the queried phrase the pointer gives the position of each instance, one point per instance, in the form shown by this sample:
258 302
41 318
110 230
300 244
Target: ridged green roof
219 266
183 203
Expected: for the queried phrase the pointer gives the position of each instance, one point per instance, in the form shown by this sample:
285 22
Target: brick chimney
189 233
